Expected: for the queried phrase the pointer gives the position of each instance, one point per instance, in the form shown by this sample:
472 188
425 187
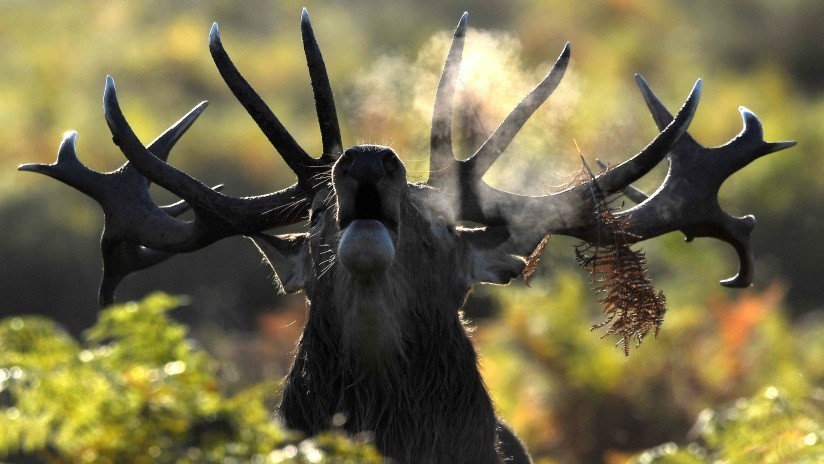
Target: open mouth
368 231
367 206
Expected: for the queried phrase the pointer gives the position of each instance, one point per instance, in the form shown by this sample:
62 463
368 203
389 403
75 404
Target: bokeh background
568 393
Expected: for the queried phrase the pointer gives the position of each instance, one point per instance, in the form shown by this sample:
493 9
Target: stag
384 349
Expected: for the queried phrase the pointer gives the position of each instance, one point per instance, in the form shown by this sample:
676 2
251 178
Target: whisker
287 206
419 210
331 264
322 174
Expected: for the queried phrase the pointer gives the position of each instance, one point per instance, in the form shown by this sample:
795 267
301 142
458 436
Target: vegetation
766 428
748 366
136 389
576 398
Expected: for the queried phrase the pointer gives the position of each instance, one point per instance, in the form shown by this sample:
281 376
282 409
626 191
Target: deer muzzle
369 183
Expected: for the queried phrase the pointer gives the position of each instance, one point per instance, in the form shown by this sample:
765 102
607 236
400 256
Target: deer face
372 221
381 251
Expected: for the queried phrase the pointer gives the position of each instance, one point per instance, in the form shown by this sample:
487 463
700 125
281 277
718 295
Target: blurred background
572 396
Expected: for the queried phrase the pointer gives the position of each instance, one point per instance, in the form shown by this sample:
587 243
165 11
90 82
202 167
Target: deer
386 264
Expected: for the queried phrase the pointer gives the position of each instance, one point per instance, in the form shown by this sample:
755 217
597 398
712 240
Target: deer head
385 263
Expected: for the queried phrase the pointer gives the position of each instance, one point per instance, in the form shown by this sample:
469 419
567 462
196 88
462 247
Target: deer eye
315 217
319 205
443 223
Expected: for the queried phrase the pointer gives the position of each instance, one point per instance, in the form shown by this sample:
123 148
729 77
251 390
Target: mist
391 104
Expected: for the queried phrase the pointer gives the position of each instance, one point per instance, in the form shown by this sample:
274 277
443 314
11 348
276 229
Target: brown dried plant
632 306
534 259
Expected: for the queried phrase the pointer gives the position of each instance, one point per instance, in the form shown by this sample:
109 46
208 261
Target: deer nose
369 166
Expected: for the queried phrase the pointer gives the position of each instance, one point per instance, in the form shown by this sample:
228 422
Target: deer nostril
369 164
345 162
390 162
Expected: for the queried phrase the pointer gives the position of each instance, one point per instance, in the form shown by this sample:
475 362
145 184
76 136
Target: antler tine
322 90
636 167
199 196
636 196
121 258
492 148
659 112
303 165
163 144
753 134
440 139
68 169
179 207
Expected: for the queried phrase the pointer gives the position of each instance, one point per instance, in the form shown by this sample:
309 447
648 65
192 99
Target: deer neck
373 317
420 401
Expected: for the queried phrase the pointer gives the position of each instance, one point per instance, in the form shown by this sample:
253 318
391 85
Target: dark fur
424 404
389 355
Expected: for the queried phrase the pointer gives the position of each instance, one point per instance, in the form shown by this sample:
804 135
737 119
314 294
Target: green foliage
136 389
768 428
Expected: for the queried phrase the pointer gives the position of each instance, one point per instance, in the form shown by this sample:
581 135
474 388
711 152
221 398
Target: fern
632 306
534 259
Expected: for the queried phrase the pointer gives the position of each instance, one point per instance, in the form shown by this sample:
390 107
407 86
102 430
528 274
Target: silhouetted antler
116 193
566 212
139 233
689 194
687 201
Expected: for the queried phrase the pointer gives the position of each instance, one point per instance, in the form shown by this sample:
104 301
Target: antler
689 196
138 233
304 166
121 256
687 200
567 211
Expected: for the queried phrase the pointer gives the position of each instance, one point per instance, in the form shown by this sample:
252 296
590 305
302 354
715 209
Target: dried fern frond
632 306
534 259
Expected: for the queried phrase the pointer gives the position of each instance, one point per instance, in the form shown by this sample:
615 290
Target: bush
768 428
135 389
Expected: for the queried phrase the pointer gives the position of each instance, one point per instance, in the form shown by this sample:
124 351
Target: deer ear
287 255
489 258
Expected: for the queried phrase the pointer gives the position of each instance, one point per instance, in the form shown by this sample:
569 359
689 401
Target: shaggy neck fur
372 319
394 361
